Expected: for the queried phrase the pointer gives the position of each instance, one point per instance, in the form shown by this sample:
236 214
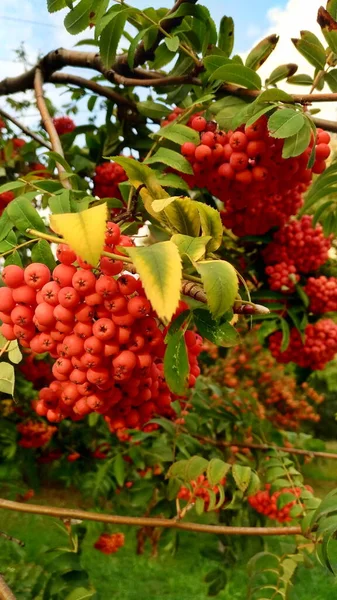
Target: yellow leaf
220 284
159 267
160 204
83 231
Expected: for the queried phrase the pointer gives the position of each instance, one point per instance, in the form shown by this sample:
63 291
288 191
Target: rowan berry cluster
107 178
265 503
200 489
102 332
5 199
322 293
37 371
64 125
109 543
282 277
317 349
35 434
245 170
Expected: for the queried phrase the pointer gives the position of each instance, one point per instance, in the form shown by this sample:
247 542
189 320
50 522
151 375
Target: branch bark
5 592
49 125
25 129
82 515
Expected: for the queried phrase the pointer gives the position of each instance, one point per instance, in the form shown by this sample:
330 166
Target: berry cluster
282 277
109 543
102 332
322 293
64 125
36 371
200 489
317 349
265 503
246 171
35 434
107 178
5 199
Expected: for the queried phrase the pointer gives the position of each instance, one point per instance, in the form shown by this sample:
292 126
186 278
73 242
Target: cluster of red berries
322 293
200 489
102 332
297 248
35 434
37 371
317 349
5 199
64 125
245 170
109 543
265 503
107 178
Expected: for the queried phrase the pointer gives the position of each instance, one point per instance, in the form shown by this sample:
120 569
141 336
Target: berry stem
45 236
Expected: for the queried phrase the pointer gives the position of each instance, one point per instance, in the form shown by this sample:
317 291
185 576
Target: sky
28 22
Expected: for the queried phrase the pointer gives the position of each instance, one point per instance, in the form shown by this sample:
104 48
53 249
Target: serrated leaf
7 378
172 159
183 217
217 470
214 61
61 203
226 35
224 335
162 203
311 48
84 231
274 95
78 18
176 365
41 253
153 110
211 225
284 499
6 225
159 267
259 54
80 593
332 8
14 352
179 134
199 506
55 5
177 469
172 43
110 37
13 259
298 143
220 284
281 72
24 215
195 466
285 123
241 476
225 110
195 248
254 484
238 74
11 185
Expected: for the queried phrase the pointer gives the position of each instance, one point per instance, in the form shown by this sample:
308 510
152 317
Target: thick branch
48 124
25 129
5 592
195 291
69 513
266 447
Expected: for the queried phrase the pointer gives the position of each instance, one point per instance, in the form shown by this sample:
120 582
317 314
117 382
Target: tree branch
5 592
266 447
82 515
195 291
25 129
48 124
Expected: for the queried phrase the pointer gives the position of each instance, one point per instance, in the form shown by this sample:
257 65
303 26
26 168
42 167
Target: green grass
126 576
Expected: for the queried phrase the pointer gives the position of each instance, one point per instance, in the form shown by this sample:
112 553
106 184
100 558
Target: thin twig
49 125
25 129
5 592
69 513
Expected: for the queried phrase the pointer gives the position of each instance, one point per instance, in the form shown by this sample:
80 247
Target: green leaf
224 335
225 110
159 267
298 143
199 506
284 499
311 48
14 352
332 8
11 185
172 159
41 253
172 180
24 215
56 157
241 476
285 335
6 225
194 248
259 54
110 37
7 378
195 466
80 593
55 5
211 225
152 110
239 75
220 284
179 134
172 43
281 72
61 203
13 259
285 122
217 470
183 217
176 365
331 79
118 469
177 469
226 35
300 79
328 27
254 484
78 18
214 61
274 95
